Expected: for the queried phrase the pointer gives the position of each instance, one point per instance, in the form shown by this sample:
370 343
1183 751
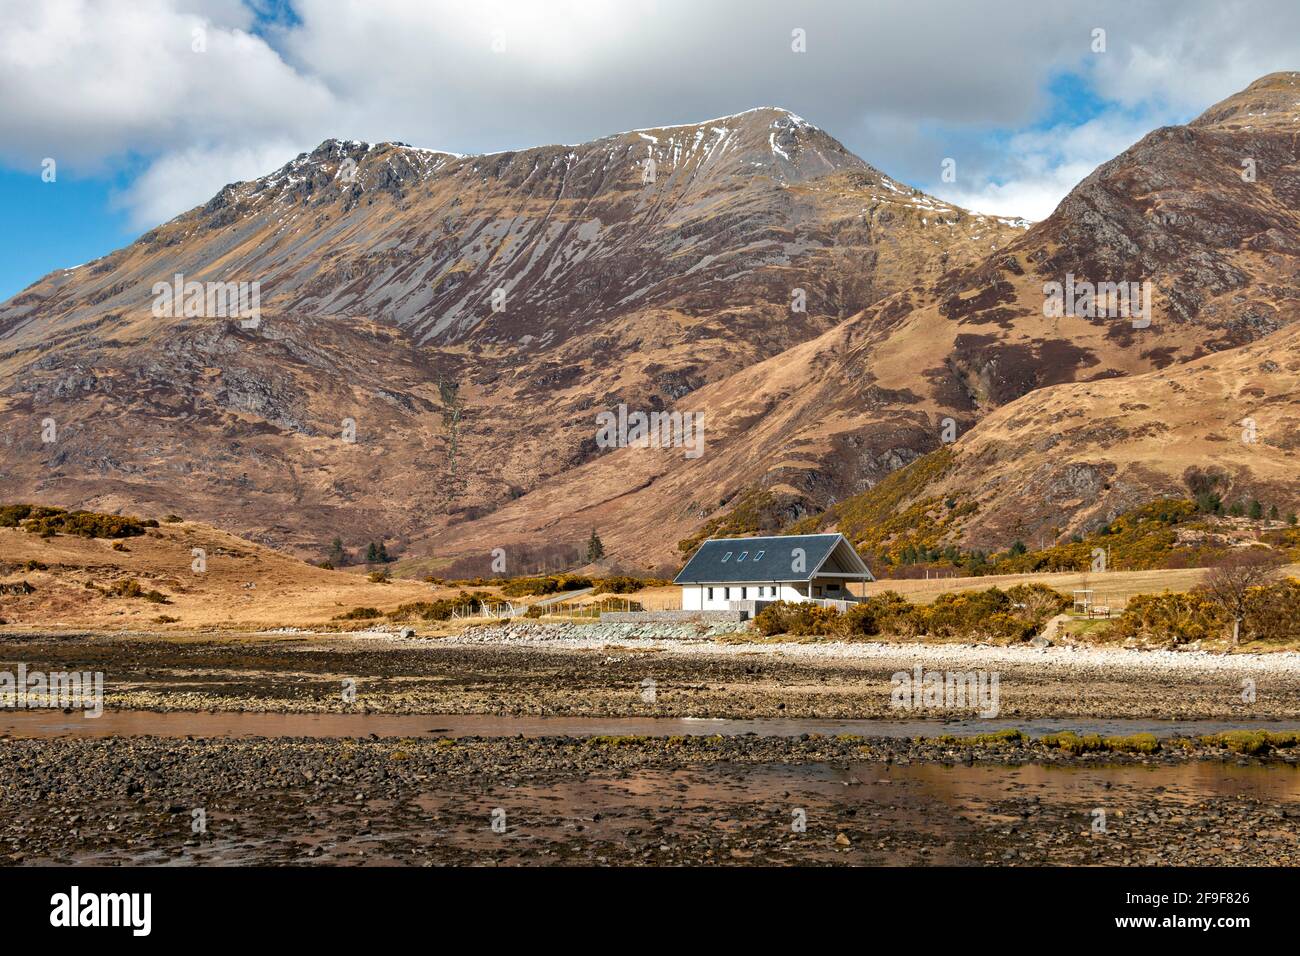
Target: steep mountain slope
1062 460
466 317
1217 237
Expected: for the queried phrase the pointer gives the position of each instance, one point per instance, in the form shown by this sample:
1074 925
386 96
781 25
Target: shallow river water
55 723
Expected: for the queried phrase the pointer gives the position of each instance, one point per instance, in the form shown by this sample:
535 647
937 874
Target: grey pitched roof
718 560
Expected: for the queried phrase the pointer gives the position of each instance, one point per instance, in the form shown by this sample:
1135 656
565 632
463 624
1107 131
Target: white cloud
1187 56
181 180
1039 168
89 81
904 83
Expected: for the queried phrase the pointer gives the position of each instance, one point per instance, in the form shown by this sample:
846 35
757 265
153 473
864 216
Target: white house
800 567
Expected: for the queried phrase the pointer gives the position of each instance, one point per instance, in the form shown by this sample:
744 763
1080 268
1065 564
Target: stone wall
648 617
584 633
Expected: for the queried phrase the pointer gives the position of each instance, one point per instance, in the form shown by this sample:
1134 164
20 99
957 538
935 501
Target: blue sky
55 225
150 106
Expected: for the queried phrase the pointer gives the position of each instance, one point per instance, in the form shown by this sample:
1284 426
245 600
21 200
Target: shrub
379 577
859 621
1038 600
439 610
422 611
131 588
799 619
546 584
11 516
619 584
1177 618
1017 613
1273 613
359 614
89 524
530 587
896 615
993 613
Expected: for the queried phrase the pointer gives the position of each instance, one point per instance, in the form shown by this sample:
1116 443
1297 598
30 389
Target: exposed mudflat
528 669
604 772
635 801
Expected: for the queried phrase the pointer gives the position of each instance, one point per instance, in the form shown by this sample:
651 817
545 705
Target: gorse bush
41 520
359 614
131 588
619 584
1272 615
993 614
441 609
549 584
1015 614
797 619
1173 617
13 515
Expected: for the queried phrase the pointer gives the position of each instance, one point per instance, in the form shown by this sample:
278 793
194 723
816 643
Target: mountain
437 333
1208 214
1066 459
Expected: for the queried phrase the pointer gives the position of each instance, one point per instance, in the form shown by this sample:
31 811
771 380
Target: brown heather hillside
1061 460
832 416
377 306
245 585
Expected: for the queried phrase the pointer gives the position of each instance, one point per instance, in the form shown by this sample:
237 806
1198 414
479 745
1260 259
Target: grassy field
1112 588
243 585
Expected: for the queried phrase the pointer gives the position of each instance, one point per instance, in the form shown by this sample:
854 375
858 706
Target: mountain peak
1272 100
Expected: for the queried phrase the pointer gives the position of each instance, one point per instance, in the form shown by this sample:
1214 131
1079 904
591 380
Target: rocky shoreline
428 799
635 801
530 669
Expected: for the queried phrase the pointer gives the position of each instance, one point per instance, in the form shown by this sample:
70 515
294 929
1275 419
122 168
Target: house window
726 593
759 556
710 594
726 557
743 556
